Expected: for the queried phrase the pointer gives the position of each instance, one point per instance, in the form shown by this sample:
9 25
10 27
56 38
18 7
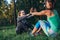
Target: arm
19 18
38 13
22 17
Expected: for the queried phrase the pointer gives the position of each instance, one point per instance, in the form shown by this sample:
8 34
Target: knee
18 31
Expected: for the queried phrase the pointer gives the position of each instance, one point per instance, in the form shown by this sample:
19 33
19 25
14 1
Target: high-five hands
32 10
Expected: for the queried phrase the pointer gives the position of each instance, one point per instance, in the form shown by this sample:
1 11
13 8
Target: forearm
36 13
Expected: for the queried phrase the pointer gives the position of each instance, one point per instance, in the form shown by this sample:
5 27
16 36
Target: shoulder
55 10
44 12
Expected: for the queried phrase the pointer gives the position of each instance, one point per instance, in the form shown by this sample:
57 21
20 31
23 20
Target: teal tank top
54 21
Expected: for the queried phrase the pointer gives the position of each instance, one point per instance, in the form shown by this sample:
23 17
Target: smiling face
21 13
49 5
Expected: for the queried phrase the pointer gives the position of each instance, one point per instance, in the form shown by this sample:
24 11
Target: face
22 13
49 5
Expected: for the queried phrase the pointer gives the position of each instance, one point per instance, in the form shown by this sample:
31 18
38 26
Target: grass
9 33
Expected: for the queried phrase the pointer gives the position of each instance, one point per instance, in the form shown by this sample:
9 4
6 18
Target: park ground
8 33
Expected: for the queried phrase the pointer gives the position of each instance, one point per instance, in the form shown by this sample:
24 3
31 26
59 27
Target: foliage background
7 26
7 10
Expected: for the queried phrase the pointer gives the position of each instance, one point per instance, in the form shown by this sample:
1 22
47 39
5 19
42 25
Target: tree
6 12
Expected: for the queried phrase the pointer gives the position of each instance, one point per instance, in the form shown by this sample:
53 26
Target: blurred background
8 17
10 8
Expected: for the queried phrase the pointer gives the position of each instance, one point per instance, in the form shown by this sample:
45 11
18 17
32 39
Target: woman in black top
22 24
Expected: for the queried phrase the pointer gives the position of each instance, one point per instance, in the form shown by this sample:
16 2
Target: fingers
31 10
28 14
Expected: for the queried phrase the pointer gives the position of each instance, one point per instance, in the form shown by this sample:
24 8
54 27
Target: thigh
45 27
52 33
37 25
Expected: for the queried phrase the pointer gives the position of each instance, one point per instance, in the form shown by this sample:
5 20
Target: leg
34 31
45 26
47 29
19 28
39 29
37 26
52 33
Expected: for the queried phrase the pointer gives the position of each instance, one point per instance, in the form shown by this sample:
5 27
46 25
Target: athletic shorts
38 24
45 25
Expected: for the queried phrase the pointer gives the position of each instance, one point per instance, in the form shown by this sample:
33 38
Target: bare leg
39 29
34 31
36 28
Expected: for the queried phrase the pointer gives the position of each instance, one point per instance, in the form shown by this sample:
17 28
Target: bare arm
38 13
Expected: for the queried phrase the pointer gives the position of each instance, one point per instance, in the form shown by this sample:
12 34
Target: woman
50 27
22 24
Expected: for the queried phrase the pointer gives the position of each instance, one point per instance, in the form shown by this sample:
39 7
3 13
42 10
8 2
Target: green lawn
8 33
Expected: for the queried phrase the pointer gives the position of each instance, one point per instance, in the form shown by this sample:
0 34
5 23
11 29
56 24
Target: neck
49 9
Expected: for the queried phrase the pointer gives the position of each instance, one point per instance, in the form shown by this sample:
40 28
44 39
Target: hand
28 14
32 14
31 10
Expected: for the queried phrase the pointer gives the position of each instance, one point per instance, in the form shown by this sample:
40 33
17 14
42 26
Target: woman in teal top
54 21
50 27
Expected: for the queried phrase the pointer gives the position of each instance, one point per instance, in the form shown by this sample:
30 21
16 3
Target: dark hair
20 12
52 1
